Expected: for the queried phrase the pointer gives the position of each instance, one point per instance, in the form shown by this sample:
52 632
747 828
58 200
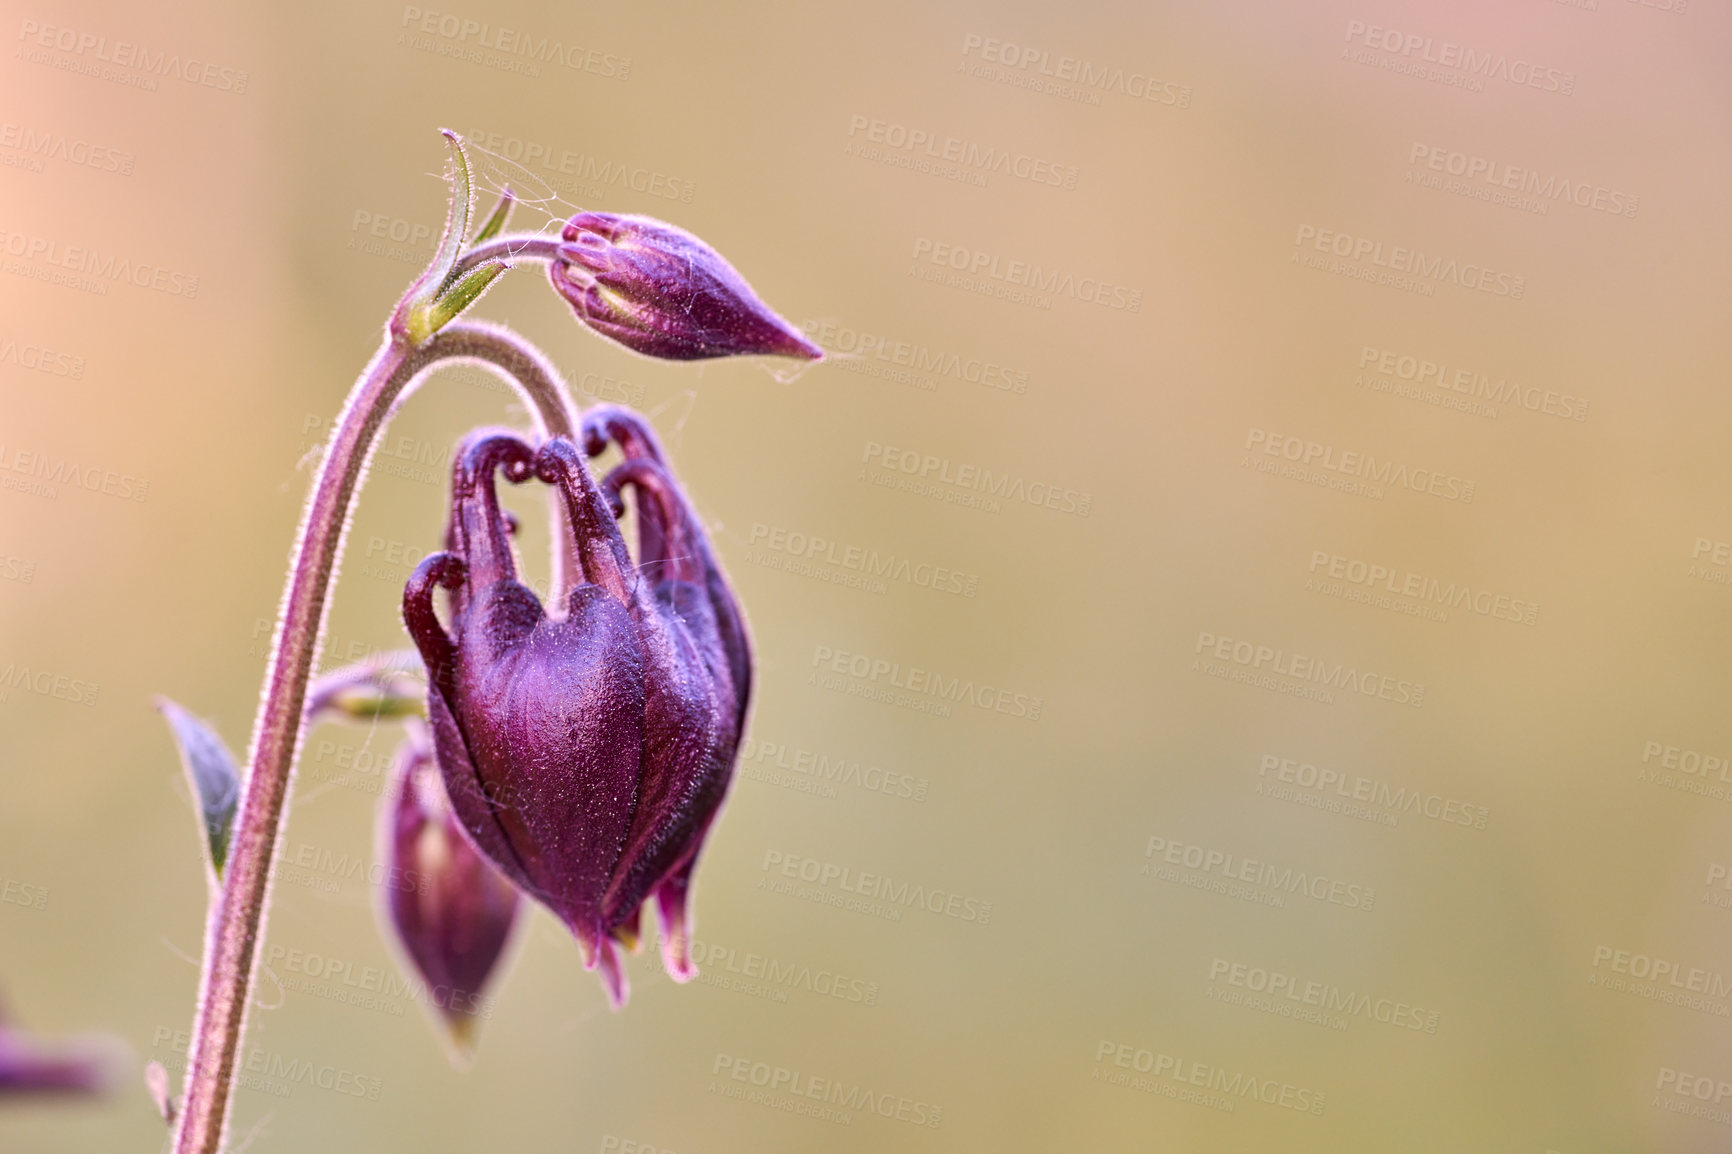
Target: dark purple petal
555 728
637 440
480 530
473 801
691 721
673 913
601 551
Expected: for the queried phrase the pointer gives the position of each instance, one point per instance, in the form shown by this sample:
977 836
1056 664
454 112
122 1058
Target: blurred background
1292 435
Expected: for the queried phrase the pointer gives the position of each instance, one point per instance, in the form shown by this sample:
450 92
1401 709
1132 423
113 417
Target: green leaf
210 768
495 223
457 220
461 295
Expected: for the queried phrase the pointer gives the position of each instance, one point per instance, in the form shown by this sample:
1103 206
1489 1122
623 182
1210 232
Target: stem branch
509 248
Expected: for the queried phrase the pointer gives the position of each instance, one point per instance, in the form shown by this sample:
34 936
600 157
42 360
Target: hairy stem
236 927
511 247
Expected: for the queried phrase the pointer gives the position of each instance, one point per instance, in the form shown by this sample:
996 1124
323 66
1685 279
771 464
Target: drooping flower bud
586 753
661 291
450 910
84 1065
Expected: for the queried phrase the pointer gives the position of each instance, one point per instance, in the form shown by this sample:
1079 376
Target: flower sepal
447 288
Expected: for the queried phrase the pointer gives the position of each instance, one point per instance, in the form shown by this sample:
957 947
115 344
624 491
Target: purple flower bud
585 752
85 1065
661 291
451 911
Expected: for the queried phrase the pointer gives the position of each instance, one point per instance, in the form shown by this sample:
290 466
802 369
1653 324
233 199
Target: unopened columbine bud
661 291
82 1066
451 911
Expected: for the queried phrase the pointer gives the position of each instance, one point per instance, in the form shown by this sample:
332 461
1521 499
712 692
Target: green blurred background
859 165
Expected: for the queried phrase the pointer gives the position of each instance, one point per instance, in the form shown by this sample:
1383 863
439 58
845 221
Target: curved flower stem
510 356
515 359
511 247
237 920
